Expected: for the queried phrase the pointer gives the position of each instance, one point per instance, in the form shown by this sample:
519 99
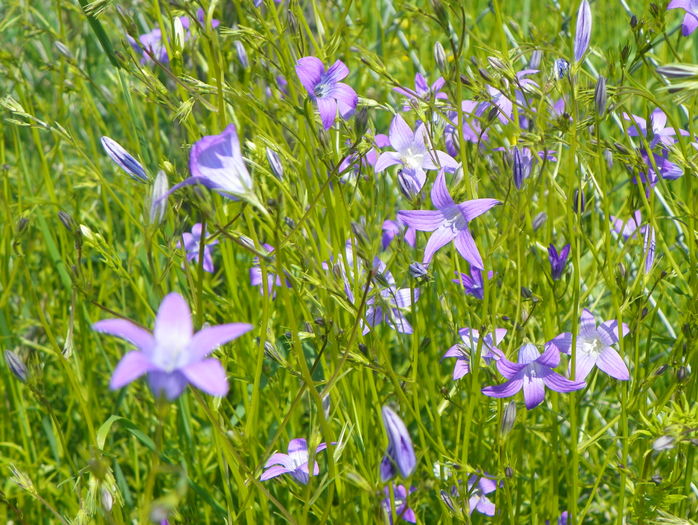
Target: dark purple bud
124 159
560 68
400 455
67 221
681 374
447 500
509 472
582 35
608 157
485 75
539 220
600 96
578 201
409 186
418 270
526 293
678 71
361 121
521 168
16 365
661 370
558 260
22 225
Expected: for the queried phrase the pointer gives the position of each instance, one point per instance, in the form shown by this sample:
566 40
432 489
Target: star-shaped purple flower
391 229
272 279
423 91
413 154
463 351
473 283
173 355
294 463
449 222
402 510
385 306
478 488
594 348
690 19
533 373
657 131
192 245
325 88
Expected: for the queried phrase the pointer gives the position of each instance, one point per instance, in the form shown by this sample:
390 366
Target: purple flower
658 131
463 351
393 228
471 132
533 373
325 88
422 90
582 35
478 488
593 347
665 168
272 279
357 162
522 164
192 244
124 159
385 306
172 356
558 260
449 222
690 19
401 507
294 463
628 229
400 455
473 283
413 154
216 162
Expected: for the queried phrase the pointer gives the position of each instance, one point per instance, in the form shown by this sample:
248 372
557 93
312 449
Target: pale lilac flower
463 351
558 260
690 19
192 244
216 162
402 510
423 91
173 355
124 159
533 373
272 279
478 488
449 222
632 226
593 347
386 305
400 455
657 132
325 88
413 154
627 229
472 130
473 283
391 229
294 463
582 35
665 168
356 162
503 104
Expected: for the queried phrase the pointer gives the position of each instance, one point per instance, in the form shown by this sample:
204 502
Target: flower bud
63 50
67 221
600 96
539 220
663 443
124 159
275 164
418 270
509 418
158 198
440 57
578 201
242 54
536 58
561 68
400 455
408 185
16 365
361 121
179 37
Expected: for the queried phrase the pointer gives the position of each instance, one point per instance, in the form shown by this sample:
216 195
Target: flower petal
273 472
207 375
337 72
401 135
347 99
171 384
132 366
128 331
563 342
441 237
465 244
507 389
309 71
476 207
173 325
587 325
558 383
387 159
533 391
279 458
208 339
612 363
328 111
439 193
422 220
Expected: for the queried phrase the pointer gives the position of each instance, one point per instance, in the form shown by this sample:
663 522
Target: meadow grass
79 245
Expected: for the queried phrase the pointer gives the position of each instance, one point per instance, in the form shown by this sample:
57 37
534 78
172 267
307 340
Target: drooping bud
242 54
124 159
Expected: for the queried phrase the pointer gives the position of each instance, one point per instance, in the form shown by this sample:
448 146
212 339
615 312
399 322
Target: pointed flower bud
440 57
16 365
158 198
582 35
124 159
275 164
600 95
560 68
242 54
400 455
558 260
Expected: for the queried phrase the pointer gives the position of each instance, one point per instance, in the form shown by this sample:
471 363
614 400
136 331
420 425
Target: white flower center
589 346
412 158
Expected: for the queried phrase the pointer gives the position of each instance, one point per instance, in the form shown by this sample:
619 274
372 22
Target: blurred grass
76 440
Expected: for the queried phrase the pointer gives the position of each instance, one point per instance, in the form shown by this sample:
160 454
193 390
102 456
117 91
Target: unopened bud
578 201
681 374
63 50
408 185
440 57
361 121
242 54
158 198
179 37
16 365
497 64
561 68
509 418
67 221
484 74
663 443
539 220
107 500
275 164
22 225
418 270
600 96
536 58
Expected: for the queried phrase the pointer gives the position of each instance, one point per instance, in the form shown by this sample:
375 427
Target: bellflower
294 463
503 104
124 159
272 279
472 130
385 306
664 168
690 19
401 506
478 488
216 162
393 228
356 162
533 373
413 154
582 35
449 222
593 347
325 88
463 351
423 91
473 283
657 132
630 227
400 455
192 244
173 355
558 260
